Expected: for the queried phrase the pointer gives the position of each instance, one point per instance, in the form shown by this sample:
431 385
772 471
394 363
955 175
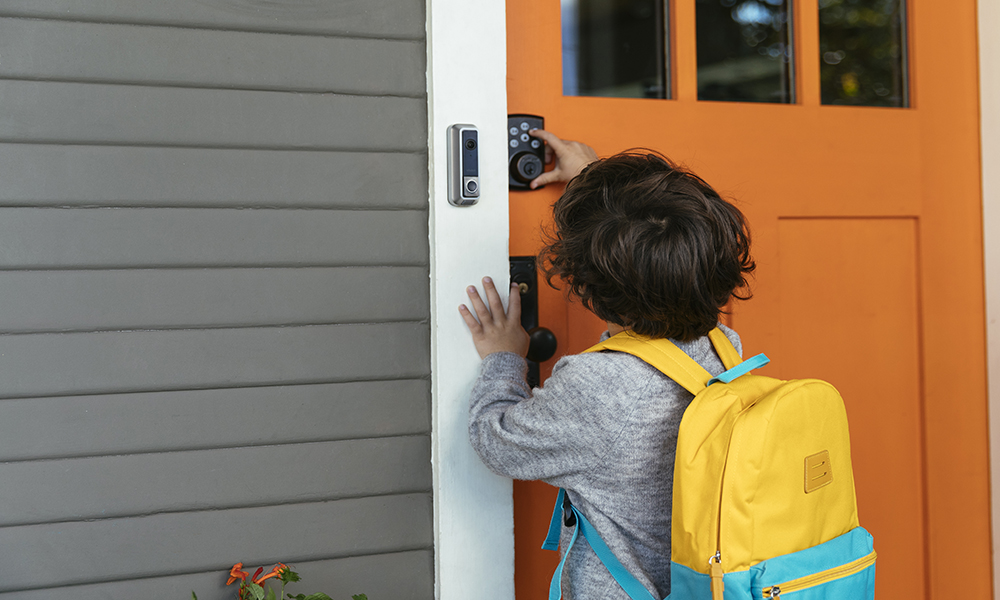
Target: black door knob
542 344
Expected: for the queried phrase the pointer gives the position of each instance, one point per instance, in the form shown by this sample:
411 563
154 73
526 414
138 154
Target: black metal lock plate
543 342
525 154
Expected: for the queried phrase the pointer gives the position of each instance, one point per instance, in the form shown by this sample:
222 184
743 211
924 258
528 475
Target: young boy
652 250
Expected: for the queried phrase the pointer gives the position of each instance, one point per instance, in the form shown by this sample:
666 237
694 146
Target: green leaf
194 596
270 594
256 591
318 596
359 597
297 596
289 576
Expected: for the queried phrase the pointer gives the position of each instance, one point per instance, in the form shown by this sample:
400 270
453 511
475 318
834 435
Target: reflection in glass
862 47
744 50
614 48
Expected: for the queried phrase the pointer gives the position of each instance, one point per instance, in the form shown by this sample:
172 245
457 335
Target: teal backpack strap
629 583
754 362
555 525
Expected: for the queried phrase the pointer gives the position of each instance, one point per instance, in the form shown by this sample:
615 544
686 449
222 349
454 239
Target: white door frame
466 83
989 122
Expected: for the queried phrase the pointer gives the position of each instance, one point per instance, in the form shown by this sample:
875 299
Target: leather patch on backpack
818 471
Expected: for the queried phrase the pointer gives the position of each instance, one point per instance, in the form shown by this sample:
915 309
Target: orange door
866 225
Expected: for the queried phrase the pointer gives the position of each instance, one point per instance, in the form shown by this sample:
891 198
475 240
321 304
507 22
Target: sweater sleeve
551 432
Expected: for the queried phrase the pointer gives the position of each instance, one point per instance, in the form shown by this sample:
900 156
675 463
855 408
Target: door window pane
862 46
614 48
744 50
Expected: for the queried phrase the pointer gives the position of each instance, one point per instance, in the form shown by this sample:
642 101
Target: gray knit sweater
604 427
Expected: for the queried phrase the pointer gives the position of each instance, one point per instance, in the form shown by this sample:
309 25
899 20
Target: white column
989 117
466 83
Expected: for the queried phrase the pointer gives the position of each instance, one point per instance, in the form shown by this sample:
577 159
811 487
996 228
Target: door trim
466 83
989 122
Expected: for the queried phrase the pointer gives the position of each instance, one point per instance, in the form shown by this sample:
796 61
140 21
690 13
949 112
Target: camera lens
470 144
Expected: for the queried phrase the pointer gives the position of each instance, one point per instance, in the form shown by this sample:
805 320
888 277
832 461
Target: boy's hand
571 157
495 331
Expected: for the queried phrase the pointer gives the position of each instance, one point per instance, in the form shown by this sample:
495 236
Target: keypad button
513 130
525 126
514 144
525 137
535 143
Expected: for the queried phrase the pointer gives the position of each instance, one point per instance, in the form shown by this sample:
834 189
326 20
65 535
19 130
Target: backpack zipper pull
772 592
715 570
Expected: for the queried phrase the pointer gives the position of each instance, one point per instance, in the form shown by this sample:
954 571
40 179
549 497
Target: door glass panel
862 46
614 48
744 50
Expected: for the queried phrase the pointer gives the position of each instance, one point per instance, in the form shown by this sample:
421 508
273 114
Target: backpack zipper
715 571
846 570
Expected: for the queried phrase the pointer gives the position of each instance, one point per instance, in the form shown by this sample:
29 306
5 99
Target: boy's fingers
549 138
493 297
514 304
477 303
470 320
547 177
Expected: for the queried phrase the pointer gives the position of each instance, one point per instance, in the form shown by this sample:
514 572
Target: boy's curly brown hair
648 245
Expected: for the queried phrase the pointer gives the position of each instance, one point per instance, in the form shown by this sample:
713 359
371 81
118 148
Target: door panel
864 269
866 225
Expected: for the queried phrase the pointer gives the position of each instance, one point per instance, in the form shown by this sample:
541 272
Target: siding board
400 576
89 363
93 551
69 113
55 175
38 301
214 338
77 488
375 18
66 426
73 51
155 237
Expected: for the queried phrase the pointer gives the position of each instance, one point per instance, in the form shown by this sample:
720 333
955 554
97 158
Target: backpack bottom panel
843 567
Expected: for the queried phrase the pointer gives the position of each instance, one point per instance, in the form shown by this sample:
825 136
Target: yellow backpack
763 500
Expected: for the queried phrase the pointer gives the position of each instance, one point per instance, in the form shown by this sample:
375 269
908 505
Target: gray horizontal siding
88 363
159 237
399 576
36 491
37 49
165 544
54 175
37 301
70 113
214 337
66 426
375 18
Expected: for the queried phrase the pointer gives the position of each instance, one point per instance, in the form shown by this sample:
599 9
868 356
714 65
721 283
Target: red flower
275 572
235 573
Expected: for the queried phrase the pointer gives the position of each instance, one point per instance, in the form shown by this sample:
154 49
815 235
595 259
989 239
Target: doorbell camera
463 165
525 154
